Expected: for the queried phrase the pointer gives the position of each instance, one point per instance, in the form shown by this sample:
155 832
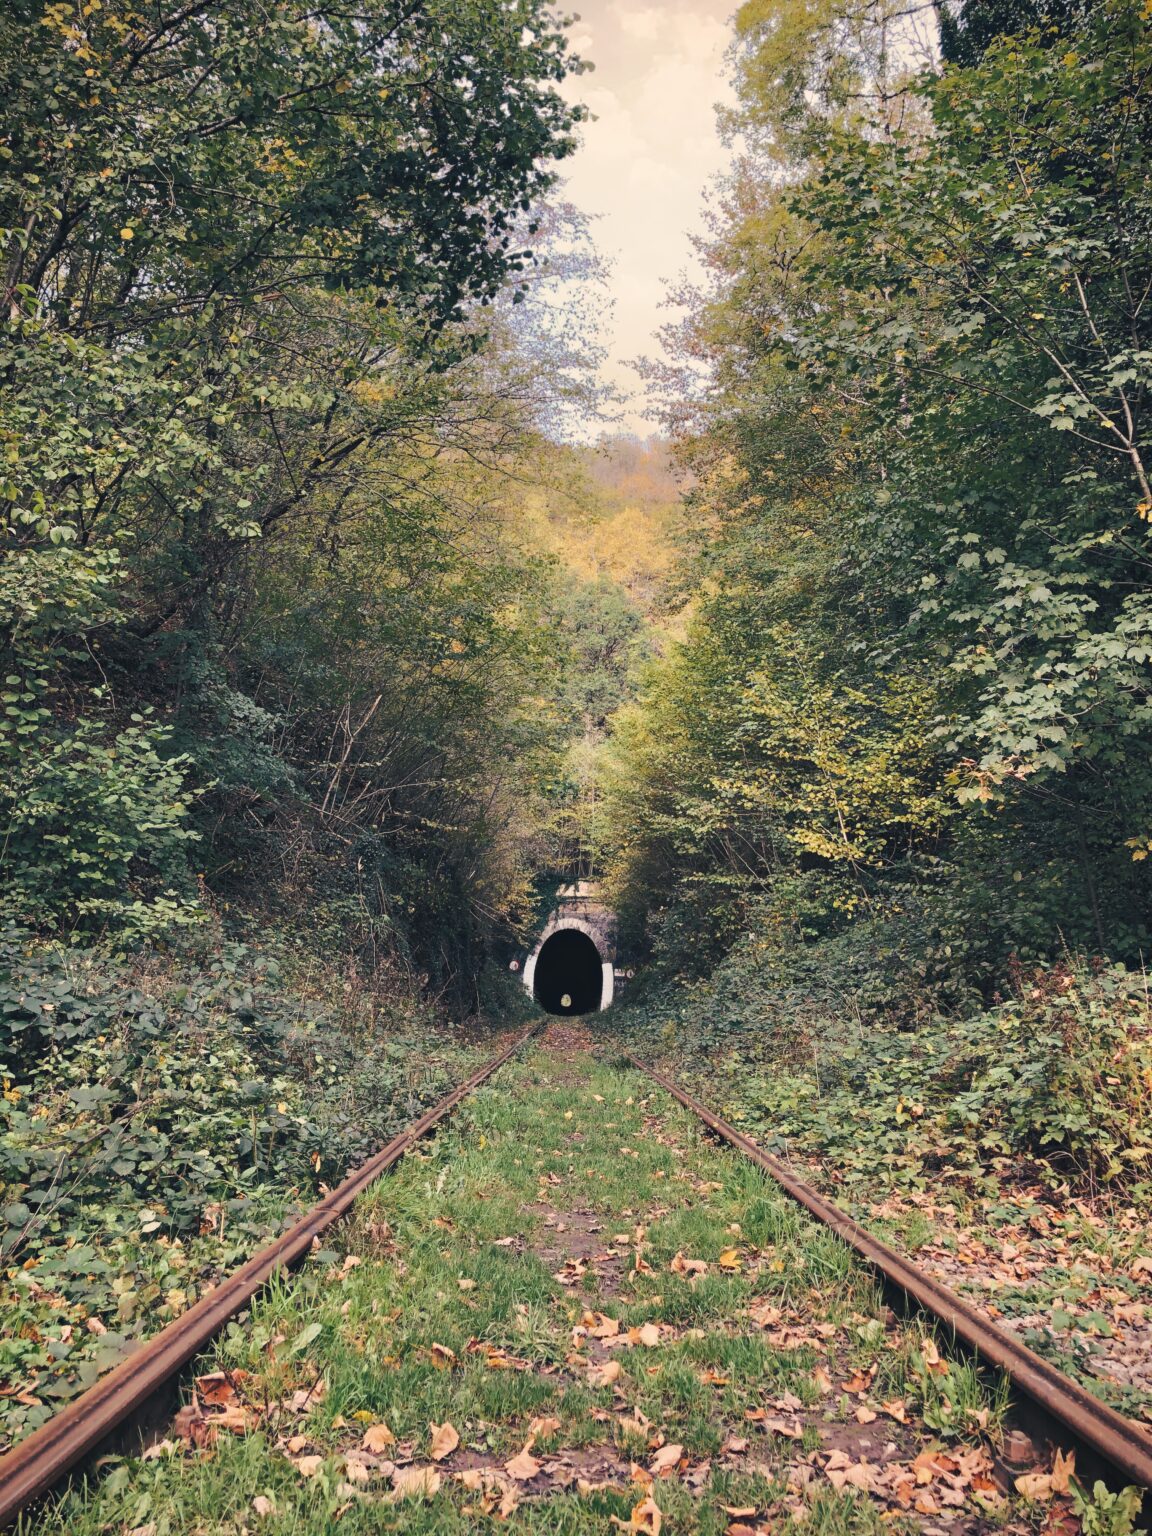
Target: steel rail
31 1468
1115 1439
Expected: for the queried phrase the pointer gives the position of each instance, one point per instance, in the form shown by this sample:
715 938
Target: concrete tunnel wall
573 925
578 911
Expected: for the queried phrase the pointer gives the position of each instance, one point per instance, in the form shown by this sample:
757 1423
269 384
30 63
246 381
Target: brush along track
448 1308
33 1467
1118 1442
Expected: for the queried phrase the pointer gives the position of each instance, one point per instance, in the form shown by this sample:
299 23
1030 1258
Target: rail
1115 1439
34 1466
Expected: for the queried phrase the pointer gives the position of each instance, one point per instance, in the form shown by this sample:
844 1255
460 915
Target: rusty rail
1117 1440
36 1464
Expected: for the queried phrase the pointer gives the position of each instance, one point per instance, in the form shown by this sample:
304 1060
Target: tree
244 249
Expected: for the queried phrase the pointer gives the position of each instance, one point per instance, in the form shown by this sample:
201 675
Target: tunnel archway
569 977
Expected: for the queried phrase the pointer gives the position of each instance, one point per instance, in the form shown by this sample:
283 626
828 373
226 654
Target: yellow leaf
729 1259
415 1482
604 1327
378 1439
604 1375
525 1466
1035 1486
1063 1470
444 1440
645 1519
666 1460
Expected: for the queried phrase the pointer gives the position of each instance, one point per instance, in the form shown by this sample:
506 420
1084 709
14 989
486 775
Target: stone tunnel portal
569 973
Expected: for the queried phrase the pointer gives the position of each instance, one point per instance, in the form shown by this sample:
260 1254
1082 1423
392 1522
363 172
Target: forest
335 641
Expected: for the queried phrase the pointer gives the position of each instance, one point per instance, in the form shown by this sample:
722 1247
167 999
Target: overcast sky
646 159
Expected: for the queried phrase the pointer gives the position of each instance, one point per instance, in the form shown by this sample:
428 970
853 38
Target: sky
646 159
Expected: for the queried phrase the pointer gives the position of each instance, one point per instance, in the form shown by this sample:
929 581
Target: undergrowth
1053 1079
164 1116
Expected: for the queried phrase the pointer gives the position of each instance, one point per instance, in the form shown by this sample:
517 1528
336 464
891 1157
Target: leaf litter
641 1272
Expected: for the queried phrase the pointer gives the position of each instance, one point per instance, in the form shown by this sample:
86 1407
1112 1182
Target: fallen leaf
932 1360
604 1327
865 1415
729 1259
541 1428
822 1379
1063 1470
666 1460
216 1389
648 1335
466 1285
415 1482
645 1519
444 1440
604 1375
378 1439
682 1266
525 1466
308 1466
262 1505
1036 1487
443 1357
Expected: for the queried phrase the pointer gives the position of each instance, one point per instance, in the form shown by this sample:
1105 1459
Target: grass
439 1302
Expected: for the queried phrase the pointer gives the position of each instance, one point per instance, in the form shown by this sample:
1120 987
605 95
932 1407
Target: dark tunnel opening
568 973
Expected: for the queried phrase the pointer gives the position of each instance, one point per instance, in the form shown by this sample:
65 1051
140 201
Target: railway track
1116 1442
42 1461
37 1464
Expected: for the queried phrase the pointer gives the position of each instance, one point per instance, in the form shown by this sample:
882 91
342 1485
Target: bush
1060 1074
159 1121
95 832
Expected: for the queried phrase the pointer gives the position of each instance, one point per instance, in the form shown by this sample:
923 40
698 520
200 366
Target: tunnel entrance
569 973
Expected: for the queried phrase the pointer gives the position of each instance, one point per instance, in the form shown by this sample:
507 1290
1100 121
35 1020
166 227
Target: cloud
644 21
646 159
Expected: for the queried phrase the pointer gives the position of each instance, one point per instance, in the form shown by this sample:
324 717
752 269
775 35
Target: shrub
159 1120
95 832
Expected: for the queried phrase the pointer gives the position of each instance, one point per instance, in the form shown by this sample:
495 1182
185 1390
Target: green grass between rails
624 1157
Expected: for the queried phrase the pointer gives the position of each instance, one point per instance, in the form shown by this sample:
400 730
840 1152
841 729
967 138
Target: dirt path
570 1313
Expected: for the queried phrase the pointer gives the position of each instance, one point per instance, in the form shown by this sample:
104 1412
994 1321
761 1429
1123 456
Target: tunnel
569 974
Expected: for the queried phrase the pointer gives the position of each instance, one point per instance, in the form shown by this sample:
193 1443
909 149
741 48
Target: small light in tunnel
566 1001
